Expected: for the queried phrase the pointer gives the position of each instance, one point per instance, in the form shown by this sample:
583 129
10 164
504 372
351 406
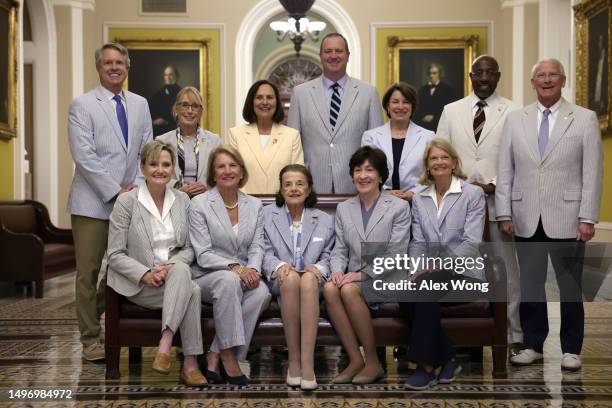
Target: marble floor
40 350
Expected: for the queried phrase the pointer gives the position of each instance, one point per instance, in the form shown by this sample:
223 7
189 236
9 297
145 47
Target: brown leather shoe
194 377
161 364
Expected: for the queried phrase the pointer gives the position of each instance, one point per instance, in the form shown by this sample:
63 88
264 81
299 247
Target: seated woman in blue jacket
449 213
299 239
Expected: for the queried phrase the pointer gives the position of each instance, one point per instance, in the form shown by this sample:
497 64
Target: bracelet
239 271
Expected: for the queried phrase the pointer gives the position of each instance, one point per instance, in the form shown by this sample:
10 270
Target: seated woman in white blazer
191 143
371 216
265 144
299 239
402 140
450 212
226 231
149 255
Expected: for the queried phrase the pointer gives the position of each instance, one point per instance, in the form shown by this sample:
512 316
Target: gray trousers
504 246
235 309
179 300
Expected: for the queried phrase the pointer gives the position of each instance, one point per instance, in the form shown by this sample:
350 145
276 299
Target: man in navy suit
107 128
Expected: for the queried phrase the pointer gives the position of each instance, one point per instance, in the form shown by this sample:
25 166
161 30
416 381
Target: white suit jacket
214 242
326 151
411 162
103 163
130 241
560 188
208 141
479 160
284 147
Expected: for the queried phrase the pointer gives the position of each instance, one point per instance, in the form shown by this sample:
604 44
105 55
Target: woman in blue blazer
449 212
402 140
299 239
372 216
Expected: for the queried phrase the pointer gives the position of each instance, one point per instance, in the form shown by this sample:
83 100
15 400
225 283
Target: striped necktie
334 106
479 120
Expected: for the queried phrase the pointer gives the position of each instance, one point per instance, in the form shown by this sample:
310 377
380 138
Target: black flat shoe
237 380
213 377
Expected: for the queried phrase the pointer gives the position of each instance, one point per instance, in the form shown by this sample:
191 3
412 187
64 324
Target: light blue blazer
390 222
459 228
215 244
317 239
103 162
411 162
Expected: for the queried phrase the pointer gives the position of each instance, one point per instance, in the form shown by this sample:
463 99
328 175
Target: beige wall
531 48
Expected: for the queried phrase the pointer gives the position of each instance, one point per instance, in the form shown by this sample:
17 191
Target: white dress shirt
109 95
552 117
327 86
164 239
455 187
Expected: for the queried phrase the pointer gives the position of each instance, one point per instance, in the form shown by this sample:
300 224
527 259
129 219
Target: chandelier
297 27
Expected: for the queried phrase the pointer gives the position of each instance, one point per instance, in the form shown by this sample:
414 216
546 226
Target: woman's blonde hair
152 150
234 154
442 144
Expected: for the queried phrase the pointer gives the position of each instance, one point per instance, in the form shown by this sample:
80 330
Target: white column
518 46
76 40
557 38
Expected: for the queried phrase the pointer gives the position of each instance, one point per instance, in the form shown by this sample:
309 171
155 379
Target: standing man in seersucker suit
474 126
107 128
548 193
332 112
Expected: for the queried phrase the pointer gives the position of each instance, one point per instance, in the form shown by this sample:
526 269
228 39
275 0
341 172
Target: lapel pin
274 141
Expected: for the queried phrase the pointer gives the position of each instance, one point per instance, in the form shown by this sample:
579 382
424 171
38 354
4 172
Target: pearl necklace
231 207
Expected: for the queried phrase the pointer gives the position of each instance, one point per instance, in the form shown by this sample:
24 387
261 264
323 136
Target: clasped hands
340 279
156 277
283 271
249 276
192 189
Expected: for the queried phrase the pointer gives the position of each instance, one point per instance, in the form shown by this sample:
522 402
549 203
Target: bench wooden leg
135 356
112 362
40 284
499 360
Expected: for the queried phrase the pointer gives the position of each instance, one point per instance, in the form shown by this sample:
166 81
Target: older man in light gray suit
331 113
548 192
474 126
107 127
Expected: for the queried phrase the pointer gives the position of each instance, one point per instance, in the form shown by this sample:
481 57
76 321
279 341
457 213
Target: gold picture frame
170 52
8 69
469 45
593 63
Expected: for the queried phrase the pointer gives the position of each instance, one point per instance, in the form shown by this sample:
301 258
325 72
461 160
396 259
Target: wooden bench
31 247
474 324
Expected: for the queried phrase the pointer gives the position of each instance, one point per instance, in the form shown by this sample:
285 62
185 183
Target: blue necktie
543 133
122 118
298 260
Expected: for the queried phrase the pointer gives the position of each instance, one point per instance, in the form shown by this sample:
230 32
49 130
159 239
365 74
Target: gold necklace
231 207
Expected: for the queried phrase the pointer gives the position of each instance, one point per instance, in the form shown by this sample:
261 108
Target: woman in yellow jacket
265 144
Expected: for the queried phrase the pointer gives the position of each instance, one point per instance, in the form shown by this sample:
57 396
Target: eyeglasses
541 76
481 72
187 105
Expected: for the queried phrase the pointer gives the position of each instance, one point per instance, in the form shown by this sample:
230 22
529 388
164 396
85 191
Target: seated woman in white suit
402 140
371 216
149 255
450 212
299 239
226 230
191 143
265 143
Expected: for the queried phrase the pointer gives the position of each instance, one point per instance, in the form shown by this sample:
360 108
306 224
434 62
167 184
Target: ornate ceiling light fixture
297 27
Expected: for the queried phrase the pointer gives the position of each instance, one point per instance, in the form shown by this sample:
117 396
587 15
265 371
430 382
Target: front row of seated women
241 253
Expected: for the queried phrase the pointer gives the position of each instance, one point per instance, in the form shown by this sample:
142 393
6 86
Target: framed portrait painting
8 69
436 67
159 69
593 65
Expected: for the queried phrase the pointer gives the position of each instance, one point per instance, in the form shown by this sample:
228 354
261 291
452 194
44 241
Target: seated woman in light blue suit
226 230
299 239
371 216
149 255
402 140
450 212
